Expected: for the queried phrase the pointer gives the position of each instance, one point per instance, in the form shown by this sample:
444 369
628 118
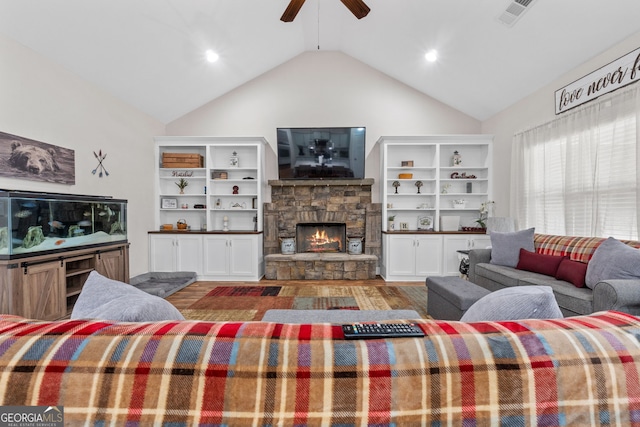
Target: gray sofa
613 294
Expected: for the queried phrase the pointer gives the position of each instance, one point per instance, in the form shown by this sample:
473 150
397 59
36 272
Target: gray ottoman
337 316
449 297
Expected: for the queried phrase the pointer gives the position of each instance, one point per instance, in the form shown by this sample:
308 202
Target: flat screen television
321 153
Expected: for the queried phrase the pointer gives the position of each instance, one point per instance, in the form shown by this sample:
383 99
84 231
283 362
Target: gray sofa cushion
613 260
515 303
571 300
107 299
505 247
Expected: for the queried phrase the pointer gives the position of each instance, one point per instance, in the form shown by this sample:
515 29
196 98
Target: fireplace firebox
321 237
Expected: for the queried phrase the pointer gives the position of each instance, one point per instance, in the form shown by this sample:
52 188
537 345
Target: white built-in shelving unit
222 207
415 243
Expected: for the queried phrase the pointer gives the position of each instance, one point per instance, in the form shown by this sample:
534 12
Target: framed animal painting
25 158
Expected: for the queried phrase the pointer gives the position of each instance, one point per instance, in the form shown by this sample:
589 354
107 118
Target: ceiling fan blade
357 7
292 10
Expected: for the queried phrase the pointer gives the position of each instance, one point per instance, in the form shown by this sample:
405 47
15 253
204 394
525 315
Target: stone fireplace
304 203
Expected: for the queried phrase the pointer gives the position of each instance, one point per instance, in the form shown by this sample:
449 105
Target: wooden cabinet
47 286
411 257
114 263
42 290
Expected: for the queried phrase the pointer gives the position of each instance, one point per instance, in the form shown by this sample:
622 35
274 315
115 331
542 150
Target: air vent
514 11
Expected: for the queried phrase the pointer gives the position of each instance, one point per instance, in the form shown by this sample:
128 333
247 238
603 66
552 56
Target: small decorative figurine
456 160
235 189
234 161
396 184
418 184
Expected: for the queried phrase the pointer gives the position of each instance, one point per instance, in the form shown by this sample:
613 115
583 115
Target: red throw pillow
539 263
573 272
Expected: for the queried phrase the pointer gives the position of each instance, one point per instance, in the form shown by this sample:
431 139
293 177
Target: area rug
246 303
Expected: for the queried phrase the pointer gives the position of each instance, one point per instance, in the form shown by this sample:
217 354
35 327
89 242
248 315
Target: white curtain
578 175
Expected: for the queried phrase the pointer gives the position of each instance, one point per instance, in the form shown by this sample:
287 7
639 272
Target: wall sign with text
616 74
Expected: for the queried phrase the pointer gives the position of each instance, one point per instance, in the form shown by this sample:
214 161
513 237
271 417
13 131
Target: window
578 175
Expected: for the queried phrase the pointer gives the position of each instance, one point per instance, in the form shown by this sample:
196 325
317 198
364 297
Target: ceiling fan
357 7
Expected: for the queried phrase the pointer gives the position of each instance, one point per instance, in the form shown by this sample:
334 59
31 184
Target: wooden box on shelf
182 160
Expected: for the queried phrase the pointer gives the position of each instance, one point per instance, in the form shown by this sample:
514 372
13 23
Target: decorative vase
355 245
288 245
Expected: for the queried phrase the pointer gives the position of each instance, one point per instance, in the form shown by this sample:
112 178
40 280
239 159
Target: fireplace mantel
319 182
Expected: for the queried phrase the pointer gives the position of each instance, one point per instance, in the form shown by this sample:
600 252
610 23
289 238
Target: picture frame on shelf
404 226
169 203
425 222
219 174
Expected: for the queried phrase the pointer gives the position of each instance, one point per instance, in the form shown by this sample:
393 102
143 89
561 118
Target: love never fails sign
616 74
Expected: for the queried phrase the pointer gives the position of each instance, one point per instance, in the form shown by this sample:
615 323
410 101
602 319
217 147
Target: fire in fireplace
321 237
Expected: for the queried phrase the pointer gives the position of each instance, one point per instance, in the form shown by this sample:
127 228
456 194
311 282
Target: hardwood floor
184 298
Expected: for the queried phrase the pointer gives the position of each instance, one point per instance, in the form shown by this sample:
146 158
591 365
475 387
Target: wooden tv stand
45 287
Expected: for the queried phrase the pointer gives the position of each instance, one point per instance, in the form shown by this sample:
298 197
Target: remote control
381 330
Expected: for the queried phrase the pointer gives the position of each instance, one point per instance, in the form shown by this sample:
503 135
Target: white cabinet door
460 242
243 256
162 252
216 255
428 255
401 255
189 253
451 258
481 241
412 256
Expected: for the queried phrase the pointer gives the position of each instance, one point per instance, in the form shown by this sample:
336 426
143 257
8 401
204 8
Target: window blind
578 175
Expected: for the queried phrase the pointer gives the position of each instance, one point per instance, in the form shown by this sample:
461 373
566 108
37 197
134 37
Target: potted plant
391 223
484 213
182 184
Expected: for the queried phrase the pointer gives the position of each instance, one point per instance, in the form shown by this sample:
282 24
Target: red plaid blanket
576 371
577 248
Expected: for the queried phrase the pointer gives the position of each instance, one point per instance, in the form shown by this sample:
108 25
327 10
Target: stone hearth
320 266
316 201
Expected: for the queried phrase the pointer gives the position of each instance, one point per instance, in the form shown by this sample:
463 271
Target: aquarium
33 223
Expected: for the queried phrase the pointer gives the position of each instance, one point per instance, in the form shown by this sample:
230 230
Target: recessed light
212 56
431 56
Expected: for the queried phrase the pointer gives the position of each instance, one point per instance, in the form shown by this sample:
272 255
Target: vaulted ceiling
150 53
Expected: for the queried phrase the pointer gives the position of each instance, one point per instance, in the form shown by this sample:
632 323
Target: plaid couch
619 295
572 372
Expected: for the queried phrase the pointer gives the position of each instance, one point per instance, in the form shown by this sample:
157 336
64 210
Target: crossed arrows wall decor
100 168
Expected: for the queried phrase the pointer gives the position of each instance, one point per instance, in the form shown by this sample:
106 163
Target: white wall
42 101
318 89
536 109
